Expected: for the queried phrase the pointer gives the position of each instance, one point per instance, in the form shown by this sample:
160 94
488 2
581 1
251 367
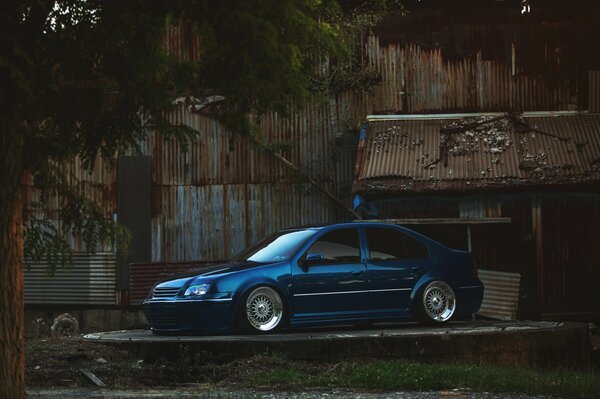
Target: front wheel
437 303
262 311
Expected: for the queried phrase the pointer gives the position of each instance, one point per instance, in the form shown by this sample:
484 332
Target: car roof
341 224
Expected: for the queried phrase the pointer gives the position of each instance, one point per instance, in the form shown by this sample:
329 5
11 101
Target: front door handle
357 273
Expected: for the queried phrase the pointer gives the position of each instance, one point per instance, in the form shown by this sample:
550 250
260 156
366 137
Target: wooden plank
92 377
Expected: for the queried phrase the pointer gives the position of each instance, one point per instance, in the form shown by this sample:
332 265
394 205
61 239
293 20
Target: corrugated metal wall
224 194
416 79
90 280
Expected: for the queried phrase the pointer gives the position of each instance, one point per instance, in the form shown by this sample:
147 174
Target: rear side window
389 244
338 246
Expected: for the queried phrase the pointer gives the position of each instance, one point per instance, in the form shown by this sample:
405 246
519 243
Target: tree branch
312 181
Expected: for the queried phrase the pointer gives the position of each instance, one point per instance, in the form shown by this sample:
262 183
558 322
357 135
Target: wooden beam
464 221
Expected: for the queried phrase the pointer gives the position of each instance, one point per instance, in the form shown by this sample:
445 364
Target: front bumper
200 316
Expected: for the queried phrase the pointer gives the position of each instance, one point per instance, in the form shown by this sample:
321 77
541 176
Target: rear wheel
437 303
262 311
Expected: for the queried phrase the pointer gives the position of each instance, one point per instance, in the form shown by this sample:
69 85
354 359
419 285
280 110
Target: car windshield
275 248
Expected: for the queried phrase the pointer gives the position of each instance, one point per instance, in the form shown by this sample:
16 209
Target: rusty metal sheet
315 139
500 295
565 149
217 221
183 41
416 79
90 280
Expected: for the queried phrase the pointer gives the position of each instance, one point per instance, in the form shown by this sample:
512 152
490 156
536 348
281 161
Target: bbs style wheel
437 304
263 311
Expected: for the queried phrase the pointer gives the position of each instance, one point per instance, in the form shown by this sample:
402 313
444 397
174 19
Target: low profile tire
437 303
262 311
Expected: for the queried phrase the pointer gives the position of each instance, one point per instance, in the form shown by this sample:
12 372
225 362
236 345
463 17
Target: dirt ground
56 362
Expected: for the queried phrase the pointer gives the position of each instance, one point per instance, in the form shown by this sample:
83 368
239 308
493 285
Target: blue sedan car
350 273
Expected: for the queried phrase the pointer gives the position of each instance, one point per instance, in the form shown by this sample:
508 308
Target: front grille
165 292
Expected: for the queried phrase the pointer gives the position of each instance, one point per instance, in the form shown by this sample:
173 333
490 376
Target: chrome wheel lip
439 301
264 309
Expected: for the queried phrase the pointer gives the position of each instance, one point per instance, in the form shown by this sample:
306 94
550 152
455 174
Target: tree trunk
12 359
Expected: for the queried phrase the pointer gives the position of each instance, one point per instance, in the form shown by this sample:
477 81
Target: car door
395 261
333 284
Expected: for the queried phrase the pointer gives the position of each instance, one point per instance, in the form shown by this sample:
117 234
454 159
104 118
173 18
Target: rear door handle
357 272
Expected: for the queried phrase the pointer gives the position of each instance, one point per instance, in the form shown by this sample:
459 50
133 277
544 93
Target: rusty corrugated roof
411 153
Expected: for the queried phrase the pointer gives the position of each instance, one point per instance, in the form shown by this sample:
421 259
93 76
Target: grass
400 375
55 362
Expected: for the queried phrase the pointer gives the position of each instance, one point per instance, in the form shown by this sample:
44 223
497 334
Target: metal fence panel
501 294
89 280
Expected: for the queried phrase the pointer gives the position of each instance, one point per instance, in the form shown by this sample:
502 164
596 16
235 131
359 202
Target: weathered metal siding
183 41
484 56
417 79
313 136
216 221
99 185
91 279
224 193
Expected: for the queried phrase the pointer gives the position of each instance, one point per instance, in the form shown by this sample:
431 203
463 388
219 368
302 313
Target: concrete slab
545 344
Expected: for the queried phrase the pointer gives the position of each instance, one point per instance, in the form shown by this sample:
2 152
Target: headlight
197 290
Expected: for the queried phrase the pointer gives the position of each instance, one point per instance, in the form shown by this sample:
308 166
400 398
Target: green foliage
350 70
48 235
90 78
260 54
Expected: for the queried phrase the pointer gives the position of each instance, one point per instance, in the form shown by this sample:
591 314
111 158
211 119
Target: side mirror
312 258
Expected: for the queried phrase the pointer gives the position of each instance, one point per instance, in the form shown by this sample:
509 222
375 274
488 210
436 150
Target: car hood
181 279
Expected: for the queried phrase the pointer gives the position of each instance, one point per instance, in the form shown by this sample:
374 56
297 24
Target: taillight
475 267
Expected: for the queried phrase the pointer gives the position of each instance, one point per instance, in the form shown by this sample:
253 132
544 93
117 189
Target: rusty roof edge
416 117
393 185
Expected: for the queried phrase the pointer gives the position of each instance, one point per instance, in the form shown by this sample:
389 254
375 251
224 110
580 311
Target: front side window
389 244
276 248
338 246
